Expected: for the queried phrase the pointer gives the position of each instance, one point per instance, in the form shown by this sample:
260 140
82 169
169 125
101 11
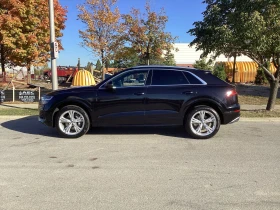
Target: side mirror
109 86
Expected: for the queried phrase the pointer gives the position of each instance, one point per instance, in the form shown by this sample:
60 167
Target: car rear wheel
72 122
202 122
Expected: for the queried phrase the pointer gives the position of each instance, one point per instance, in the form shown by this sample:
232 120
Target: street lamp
54 47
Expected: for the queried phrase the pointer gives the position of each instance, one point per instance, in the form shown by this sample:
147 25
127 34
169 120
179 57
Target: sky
181 16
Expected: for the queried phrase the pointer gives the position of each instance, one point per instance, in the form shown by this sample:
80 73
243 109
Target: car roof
161 67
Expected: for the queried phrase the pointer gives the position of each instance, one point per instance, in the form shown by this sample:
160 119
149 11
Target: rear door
166 95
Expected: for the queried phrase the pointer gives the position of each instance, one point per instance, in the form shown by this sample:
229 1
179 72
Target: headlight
46 99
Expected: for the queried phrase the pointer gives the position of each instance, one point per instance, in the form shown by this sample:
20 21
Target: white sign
55 50
2 96
32 69
26 96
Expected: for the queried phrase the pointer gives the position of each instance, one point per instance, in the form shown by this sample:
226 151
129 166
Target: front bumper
45 117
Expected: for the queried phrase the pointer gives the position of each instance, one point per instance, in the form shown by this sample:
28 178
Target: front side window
133 78
168 77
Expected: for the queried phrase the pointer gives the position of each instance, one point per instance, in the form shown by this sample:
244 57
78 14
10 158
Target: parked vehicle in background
63 73
145 95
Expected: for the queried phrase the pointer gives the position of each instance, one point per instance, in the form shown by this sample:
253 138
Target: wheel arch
205 102
78 103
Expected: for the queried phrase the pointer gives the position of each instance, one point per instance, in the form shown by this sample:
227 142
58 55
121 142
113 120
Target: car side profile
144 96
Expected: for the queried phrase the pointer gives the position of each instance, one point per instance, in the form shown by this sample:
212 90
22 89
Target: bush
219 71
260 77
203 64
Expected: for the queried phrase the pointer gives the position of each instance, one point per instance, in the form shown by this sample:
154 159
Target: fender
214 103
73 100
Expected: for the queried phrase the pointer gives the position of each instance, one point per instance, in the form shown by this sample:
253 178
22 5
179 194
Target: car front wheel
72 122
202 122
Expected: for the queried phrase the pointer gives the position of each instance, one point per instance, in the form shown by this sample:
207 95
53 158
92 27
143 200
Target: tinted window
192 79
133 78
168 77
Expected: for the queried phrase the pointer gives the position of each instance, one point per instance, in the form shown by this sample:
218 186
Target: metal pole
53 58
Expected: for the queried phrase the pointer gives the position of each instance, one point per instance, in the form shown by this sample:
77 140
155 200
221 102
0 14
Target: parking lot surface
139 168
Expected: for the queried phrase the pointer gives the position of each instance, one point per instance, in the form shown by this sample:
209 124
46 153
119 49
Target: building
186 56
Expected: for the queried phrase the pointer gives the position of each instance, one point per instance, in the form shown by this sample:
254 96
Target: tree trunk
3 63
234 68
28 75
274 85
103 64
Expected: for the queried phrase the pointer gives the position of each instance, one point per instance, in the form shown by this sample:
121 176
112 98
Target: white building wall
188 55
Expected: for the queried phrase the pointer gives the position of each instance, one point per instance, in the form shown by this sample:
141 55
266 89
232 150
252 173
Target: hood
72 90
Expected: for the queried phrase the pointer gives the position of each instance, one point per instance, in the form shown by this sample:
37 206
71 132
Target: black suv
144 95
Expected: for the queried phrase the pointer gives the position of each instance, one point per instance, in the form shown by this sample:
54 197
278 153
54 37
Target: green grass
255 100
18 112
260 114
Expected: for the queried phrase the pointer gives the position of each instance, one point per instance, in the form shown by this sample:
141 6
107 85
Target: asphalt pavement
139 168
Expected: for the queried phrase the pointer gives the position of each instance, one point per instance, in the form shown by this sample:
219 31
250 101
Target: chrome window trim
151 85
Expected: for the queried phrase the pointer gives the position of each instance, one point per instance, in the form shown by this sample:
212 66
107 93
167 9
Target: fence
27 96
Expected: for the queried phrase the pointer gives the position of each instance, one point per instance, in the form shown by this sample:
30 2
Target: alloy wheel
203 123
71 122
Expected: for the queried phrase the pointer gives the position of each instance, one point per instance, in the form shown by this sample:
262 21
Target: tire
72 122
202 129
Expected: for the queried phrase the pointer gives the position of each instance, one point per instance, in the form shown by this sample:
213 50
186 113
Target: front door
121 100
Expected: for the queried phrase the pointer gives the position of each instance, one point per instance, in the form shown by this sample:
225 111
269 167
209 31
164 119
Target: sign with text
54 50
27 96
2 96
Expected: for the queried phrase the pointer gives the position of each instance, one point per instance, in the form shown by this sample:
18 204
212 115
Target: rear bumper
231 117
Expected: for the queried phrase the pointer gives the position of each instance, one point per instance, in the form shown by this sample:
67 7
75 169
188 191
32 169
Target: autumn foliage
25 33
146 33
103 28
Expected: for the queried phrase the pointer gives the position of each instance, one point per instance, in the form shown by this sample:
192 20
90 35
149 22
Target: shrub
219 71
203 64
260 77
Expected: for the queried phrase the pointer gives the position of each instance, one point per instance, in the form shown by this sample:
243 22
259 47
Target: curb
260 119
15 117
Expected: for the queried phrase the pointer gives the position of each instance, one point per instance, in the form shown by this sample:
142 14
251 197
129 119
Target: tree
169 59
9 23
145 34
254 26
89 66
219 71
203 64
26 41
98 65
260 78
214 35
103 28
127 57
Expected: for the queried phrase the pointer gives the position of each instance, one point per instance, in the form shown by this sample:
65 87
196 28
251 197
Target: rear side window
192 79
168 77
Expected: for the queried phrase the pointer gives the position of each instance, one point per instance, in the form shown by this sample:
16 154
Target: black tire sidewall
190 114
74 108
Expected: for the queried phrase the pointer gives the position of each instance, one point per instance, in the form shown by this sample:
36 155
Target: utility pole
54 47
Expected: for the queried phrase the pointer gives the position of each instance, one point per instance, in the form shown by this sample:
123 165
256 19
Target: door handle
139 94
187 92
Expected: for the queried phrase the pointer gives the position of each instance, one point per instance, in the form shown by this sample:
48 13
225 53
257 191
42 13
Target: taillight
231 96
231 93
